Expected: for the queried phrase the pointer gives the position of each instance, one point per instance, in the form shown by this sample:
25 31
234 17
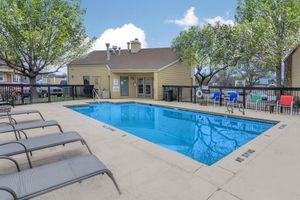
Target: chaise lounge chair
23 112
34 182
6 127
26 146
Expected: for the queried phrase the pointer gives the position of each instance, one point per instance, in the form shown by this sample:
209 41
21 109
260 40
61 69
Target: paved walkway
146 171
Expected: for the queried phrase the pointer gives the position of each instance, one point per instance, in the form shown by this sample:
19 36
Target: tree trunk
33 89
278 74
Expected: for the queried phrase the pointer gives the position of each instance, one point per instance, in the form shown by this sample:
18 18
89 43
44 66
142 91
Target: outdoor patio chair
37 181
29 145
255 99
8 113
232 99
215 99
285 102
6 127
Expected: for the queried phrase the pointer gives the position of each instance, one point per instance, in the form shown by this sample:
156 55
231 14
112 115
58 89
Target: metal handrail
242 109
229 108
95 94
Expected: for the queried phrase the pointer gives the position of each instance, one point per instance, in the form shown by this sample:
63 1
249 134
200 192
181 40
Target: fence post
30 96
91 91
244 97
22 94
221 96
178 89
195 98
191 93
164 93
49 93
73 93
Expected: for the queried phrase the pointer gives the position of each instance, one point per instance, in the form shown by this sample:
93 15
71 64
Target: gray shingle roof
151 59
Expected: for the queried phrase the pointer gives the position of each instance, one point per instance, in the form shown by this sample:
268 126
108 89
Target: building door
148 87
140 87
144 87
124 81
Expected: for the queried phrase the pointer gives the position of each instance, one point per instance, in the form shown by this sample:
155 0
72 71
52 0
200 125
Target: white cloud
220 19
120 36
189 19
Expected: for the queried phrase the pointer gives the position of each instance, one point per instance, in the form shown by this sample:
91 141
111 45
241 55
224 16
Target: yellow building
292 68
131 73
54 79
8 75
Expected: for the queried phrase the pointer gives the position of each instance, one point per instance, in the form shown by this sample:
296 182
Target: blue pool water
206 138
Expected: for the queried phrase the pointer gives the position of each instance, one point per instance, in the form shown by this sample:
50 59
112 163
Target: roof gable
291 52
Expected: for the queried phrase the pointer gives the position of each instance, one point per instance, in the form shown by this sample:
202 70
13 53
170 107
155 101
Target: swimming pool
204 137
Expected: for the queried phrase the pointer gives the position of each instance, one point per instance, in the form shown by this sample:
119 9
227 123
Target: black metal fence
246 95
18 94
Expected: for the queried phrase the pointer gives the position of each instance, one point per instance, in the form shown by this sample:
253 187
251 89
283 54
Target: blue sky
155 22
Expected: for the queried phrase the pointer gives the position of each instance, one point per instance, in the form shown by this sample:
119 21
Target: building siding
176 74
296 68
99 75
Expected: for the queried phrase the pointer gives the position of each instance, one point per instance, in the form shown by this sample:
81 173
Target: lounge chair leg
16 135
87 146
114 181
19 135
29 162
41 116
24 134
60 129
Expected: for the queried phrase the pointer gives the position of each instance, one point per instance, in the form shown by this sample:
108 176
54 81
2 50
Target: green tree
210 48
282 21
253 49
41 36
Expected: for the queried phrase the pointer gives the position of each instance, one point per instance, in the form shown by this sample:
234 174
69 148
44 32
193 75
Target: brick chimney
135 46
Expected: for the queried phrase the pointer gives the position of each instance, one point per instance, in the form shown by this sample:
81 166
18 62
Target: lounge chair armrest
10 191
12 160
7 123
15 142
9 117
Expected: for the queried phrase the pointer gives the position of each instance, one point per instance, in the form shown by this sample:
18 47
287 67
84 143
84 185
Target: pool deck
145 171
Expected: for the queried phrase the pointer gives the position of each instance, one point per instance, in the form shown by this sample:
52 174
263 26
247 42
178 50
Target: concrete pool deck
145 171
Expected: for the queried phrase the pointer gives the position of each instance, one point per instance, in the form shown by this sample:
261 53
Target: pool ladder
95 94
230 108
241 108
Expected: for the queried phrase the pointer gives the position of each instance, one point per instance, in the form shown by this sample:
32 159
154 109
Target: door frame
127 77
144 95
